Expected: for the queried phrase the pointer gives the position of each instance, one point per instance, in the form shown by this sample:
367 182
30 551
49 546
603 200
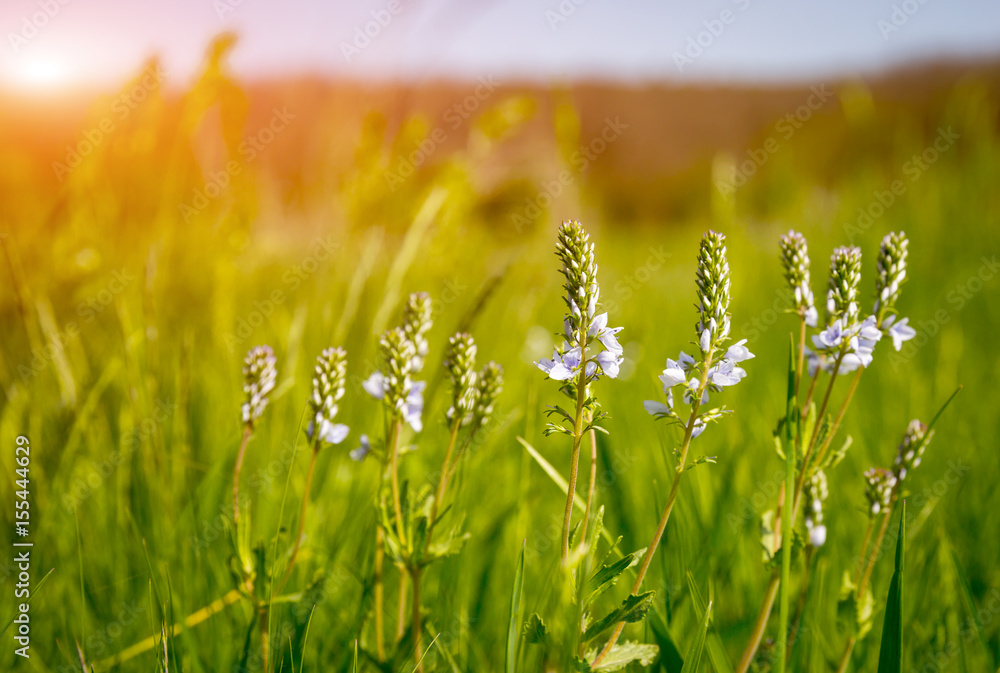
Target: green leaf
623 654
535 632
515 607
632 609
890 656
692 660
670 657
606 577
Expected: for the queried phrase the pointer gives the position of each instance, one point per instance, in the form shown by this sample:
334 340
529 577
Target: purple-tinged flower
899 331
362 451
738 352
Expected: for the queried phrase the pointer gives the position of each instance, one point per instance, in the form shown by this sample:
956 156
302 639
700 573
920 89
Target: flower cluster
582 325
709 374
460 362
488 388
911 449
815 493
795 260
416 324
847 343
879 487
395 388
329 376
259 376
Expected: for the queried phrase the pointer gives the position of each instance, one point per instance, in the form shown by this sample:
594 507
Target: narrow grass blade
786 517
28 599
890 657
716 652
561 483
692 660
515 608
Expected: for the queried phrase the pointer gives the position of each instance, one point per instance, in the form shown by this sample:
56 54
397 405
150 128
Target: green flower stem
581 398
445 474
840 417
678 473
394 476
247 431
591 488
379 594
302 517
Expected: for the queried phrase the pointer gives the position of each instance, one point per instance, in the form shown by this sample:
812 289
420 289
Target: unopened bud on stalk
845 277
259 376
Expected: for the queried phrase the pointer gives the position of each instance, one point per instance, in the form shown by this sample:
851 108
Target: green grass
134 421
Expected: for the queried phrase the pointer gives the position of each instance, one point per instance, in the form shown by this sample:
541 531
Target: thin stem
845 658
840 417
812 389
800 606
758 628
864 548
802 355
379 594
394 475
302 518
445 474
403 593
581 398
822 408
415 579
876 549
786 557
862 587
678 473
593 484
247 431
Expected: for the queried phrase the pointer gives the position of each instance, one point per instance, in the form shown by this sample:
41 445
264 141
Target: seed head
878 489
713 289
460 362
398 353
795 260
911 449
579 268
259 376
891 267
416 323
845 277
487 390
329 377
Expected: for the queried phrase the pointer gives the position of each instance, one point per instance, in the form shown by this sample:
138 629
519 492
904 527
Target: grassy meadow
136 281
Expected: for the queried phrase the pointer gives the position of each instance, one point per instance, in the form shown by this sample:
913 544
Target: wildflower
395 387
891 268
845 276
327 389
488 387
259 376
460 362
416 323
795 260
815 493
911 449
899 331
713 290
363 450
582 325
713 328
879 489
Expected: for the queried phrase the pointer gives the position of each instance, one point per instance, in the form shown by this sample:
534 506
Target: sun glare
39 74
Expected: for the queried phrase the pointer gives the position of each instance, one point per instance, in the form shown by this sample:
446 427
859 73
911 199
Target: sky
62 43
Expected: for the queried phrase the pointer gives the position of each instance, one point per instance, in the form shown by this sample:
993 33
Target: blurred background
181 181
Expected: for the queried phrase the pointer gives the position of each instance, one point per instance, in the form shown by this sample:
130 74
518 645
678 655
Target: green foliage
890 658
